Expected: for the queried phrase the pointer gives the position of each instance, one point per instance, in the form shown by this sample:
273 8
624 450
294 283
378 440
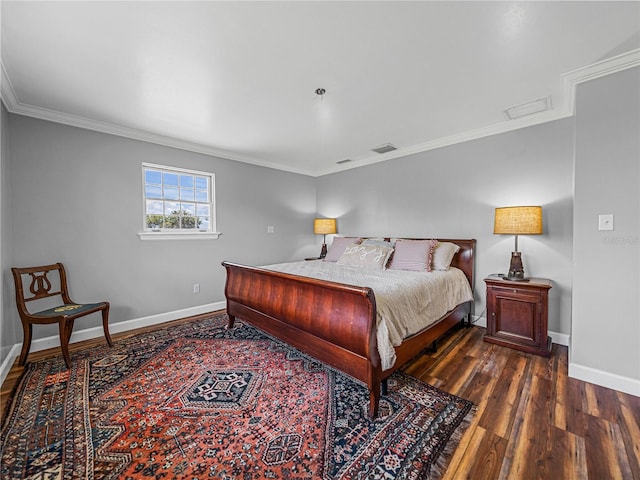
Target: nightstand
517 314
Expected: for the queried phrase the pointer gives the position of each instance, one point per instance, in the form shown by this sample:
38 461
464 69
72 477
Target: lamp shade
518 221
324 226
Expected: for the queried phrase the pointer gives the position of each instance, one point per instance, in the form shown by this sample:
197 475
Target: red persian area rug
197 401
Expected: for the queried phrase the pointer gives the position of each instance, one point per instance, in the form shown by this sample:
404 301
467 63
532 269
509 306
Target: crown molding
13 105
572 79
7 93
570 82
496 128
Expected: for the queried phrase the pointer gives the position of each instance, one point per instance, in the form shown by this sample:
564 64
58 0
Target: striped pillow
414 255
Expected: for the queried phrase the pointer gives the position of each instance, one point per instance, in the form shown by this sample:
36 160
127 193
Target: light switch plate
605 222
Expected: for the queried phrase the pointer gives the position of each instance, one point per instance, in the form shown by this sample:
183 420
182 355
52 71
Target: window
177 202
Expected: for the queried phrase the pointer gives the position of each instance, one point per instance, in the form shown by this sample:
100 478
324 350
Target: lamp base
323 252
516 270
515 279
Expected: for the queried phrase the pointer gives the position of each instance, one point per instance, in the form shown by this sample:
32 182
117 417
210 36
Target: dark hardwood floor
532 421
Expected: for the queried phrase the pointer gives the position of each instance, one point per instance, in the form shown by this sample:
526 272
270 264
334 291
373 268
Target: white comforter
406 301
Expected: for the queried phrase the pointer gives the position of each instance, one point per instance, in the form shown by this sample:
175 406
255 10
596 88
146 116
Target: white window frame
177 234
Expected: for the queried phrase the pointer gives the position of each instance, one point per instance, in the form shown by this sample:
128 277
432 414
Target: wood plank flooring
532 420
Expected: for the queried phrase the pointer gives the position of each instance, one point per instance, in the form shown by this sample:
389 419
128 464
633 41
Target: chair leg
26 343
65 327
105 325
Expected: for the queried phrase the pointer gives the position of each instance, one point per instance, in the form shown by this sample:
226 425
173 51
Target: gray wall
606 321
76 198
8 327
451 192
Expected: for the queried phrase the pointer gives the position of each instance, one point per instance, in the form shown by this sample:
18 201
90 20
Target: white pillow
372 257
443 254
377 241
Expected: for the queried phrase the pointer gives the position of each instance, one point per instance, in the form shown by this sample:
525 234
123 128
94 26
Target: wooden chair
64 313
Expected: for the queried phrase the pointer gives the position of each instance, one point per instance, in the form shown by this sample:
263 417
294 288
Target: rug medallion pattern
197 401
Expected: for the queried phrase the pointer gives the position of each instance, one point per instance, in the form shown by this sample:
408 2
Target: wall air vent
346 160
529 108
387 147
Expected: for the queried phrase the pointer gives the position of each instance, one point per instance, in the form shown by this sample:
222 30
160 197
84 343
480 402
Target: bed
335 322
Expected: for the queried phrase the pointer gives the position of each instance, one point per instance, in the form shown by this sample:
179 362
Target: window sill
179 235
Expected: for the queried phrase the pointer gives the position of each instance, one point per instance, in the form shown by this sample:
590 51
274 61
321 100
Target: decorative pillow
443 254
372 257
377 241
414 255
338 246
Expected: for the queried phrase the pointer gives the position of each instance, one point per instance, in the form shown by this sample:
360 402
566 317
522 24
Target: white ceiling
237 79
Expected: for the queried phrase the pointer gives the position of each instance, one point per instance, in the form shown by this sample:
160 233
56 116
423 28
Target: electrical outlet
196 288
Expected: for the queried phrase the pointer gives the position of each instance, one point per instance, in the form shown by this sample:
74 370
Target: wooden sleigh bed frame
333 322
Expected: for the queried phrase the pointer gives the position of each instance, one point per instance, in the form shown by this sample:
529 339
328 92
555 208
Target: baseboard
559 338
94 332
8 361
605 379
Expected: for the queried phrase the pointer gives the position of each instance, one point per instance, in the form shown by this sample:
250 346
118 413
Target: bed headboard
464 259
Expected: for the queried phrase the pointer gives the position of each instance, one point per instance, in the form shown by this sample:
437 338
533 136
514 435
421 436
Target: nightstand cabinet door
517 314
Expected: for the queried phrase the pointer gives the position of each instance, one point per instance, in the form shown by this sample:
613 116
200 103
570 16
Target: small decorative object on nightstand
517 314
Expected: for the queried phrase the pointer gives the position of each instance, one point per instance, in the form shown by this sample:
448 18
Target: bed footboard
332 322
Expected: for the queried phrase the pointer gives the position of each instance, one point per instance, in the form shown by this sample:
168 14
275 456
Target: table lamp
517 221
324 227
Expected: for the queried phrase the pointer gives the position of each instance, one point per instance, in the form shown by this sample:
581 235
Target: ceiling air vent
387 147
346 160
529 108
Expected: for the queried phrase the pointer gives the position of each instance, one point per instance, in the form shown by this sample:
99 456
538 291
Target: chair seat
69 309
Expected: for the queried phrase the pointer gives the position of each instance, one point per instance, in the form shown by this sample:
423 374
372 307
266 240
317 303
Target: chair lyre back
40 285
